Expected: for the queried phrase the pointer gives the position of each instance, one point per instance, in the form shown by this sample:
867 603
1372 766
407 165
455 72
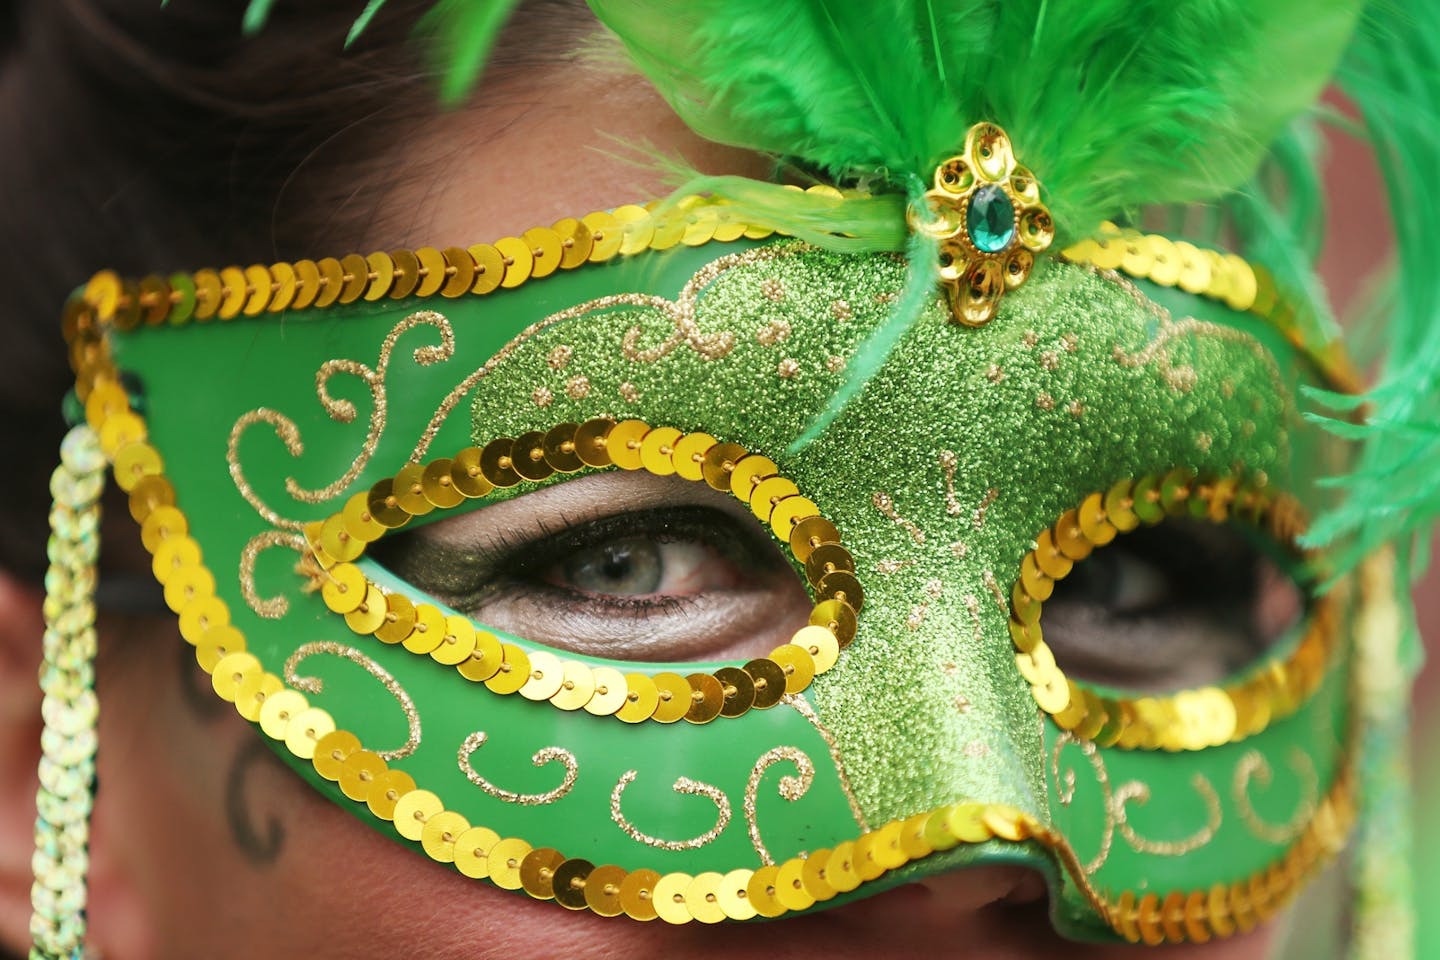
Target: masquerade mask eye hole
616 565
1182 604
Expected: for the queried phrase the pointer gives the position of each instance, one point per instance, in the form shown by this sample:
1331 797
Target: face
210 843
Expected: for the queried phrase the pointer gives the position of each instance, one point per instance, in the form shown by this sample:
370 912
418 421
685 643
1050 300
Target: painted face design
291 473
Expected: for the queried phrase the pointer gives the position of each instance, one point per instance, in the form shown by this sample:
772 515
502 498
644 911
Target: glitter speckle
891 566
772 289
1070 342
1203 441
578 388
1247 428
1050 360
962 704
841 311
1030 339
934 587
1227 388
834 363
629 393
889 296
1044 401
788 369
948 668
916 618
1075 408
958 550
560 356
994 374
542 397
773 332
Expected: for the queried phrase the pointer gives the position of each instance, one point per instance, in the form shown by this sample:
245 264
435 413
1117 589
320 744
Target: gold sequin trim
1190 719
1222 277
446 483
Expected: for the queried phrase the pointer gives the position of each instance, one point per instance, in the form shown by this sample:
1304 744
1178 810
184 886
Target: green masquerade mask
304 444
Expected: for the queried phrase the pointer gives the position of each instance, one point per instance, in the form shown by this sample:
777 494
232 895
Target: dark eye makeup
1181 604
644 568
612 565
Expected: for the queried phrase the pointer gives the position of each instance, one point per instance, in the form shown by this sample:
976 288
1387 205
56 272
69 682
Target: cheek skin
172 879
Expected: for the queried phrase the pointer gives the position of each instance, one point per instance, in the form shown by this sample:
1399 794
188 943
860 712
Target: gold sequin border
1223 277
504 668
418 815
107 300
1190 719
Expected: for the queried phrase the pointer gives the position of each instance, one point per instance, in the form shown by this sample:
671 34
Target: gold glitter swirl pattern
1140 793
341 411
1254 766
386 679
792 787
1065 791
542 756
684 786
802 707
271 608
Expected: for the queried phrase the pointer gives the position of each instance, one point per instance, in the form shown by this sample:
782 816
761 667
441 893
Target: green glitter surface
1078 382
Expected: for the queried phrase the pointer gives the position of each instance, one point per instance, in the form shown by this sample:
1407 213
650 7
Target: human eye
1182 604
622 566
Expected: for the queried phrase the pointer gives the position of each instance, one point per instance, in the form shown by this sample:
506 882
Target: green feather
1392 73
1112 104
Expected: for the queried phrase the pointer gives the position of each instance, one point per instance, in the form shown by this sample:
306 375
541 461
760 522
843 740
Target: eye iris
629 567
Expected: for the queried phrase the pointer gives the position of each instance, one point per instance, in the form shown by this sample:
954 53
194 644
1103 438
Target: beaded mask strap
67 677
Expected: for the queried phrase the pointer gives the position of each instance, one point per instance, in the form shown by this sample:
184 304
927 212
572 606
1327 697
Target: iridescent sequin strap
67 677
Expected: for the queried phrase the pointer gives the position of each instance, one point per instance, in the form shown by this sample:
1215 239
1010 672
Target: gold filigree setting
985 213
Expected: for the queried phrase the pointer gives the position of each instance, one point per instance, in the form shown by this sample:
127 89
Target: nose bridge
929 708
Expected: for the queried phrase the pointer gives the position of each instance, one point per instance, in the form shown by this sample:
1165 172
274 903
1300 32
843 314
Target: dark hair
149 140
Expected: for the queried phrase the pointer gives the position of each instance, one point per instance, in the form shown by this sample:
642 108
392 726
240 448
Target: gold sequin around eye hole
518 260
761 892
384 506
437 484
577 686
527 457
719 463
370 615
590 442
641 698
610 692
657 451
514 671
576 242
485 660
386 791
841 585
669 898
496 462
748 472
428 632
809 533
826 558
838 617
559 449
432 271
673 697
738 689
796 664
624 442
767 680
689 455
707 698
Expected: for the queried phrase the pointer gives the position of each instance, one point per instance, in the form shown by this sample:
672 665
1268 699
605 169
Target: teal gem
990 219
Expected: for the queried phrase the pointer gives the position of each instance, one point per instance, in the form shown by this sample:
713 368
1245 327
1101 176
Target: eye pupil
629 567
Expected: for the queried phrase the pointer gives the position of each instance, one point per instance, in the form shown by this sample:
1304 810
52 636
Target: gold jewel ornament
985 211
